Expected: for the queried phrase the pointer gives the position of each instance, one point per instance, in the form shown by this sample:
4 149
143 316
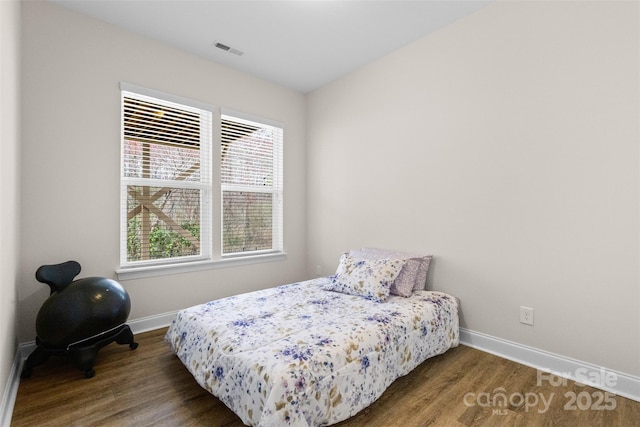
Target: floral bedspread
299 355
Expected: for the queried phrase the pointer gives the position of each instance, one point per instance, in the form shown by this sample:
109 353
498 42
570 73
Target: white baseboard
151 323
24 350
549 363
10 391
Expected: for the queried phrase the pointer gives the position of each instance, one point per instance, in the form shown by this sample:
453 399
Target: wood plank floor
150 387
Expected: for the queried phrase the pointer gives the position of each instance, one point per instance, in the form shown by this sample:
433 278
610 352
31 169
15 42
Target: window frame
211 257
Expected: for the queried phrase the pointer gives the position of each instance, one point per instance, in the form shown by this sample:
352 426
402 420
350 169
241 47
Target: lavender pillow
423 269
369 278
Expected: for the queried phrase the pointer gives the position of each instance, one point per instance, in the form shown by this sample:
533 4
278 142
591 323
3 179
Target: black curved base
83 354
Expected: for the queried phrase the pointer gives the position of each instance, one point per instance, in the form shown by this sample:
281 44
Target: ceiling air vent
228 48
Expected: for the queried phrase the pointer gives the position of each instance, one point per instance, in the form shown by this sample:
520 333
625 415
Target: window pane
155 161
247 154
162 222
145 120
247 221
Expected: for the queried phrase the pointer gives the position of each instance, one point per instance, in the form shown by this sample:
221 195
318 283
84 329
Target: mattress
300 355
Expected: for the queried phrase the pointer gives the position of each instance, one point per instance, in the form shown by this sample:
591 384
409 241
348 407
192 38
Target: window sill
187 267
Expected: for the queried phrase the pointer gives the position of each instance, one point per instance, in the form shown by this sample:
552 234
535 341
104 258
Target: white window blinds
251 179
166 180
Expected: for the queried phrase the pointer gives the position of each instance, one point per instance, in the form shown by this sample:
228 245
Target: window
168 183
251 176
166 180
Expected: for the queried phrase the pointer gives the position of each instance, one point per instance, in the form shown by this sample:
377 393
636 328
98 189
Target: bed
314 352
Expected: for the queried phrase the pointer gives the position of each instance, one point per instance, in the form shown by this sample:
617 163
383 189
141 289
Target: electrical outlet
318 270
526 315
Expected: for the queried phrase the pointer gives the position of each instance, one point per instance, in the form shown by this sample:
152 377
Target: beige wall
507 146
71 156
9 180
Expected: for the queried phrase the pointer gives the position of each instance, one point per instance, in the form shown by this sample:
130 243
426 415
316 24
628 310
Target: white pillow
369 278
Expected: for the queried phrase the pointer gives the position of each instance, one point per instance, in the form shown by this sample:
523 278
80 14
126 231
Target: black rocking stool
79 317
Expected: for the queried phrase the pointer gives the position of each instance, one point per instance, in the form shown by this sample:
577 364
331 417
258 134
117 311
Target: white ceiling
300 44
